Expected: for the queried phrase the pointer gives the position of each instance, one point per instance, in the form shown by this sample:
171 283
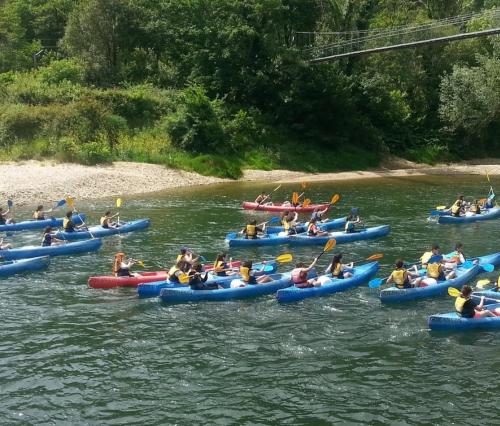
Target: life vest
433 270
251 230
475 208
219 265
398 276
459 304
245 274
455 257
68 224
179 257
455 208
312 229
299 276
286 224
426 257
103 220
337 272
38 215
498 282
182 278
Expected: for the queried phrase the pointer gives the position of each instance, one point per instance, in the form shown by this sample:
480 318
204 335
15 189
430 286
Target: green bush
18 122
94 152
63 70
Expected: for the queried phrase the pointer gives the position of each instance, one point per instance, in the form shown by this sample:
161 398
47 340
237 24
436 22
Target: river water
74 355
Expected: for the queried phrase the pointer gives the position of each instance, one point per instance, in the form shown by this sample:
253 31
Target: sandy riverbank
33 181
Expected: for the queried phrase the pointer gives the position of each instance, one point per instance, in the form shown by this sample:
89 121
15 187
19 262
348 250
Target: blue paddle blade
488 267
231 236
468 264
435 259
61 203
376 282
274 219
10 203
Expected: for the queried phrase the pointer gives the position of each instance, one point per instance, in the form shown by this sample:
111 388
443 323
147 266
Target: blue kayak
454 322
23 265
325 225
362 274
236 240
487 214
341 237
40 224
153 289
394 294
54 250
98 231
183 295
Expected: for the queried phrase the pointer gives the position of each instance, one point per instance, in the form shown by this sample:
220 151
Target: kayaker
456 257
39 213
251 230
106 220
468 308
196 282
121 265
314 231
252 277
299 275
187 256
177 273
68 224
5 246
352 221
338 269
401 277
4 217
48 239
474 209
318 214
221 268
262 198
458 206
435 251
434 272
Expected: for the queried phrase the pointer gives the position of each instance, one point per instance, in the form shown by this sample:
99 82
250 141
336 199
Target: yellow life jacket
218 265
245 274
251 230
498 282
286 224
338 269
459 304
66 222
426 257
433 270
103 220
398 276
183 277
456 206
179 257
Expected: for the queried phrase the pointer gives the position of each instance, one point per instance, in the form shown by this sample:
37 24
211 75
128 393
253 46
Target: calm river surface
74 355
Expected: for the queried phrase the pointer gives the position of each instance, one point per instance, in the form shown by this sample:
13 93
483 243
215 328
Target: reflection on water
73 355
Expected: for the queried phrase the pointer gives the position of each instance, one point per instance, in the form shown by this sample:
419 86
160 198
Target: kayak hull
248 205
492 213
327 225
454 322
154 289
232 240
110 281
341 237
361 275
55 250
40 224
99 231
23 265
185 295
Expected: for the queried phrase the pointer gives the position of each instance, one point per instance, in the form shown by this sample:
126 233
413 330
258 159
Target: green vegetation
215 86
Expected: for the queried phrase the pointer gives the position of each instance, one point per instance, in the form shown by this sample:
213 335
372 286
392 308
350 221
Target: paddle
295 198
487 267
335 199
118 205
306 202
481 283
453 292
60 203
71 204
441 207
330 244
377 282
375 256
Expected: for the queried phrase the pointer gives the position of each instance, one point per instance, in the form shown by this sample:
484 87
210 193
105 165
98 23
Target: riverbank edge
30 182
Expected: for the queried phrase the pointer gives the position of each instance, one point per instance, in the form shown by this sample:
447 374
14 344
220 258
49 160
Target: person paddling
299 275
196 282
48 239
39 213
4 217
352 221
314 231
5 246
178 271
69 225
106 220
401 277
458 206
318 214
468 308
187 256
262 197
252 229
251 277
122 265
221 268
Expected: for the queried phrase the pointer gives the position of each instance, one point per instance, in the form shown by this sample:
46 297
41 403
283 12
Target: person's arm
349 266
389 280
328 269
481 304
205 278
312 265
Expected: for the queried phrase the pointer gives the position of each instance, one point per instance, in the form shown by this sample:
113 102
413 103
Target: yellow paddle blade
440 207
283 258
335 199
70 202
482 283
183 278
375 256
140 263
306 202
118 202
295 198
330 244
453 292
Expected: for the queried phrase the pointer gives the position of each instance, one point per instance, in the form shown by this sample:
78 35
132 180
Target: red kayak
110 281
281 208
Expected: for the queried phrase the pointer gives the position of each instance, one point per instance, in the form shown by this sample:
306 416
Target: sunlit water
74 355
